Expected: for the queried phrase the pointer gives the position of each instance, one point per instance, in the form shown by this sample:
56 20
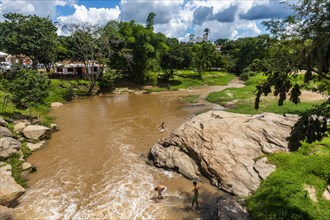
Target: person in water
196 194
162 126
160 189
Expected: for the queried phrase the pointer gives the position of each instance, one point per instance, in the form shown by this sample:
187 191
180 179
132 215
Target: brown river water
94 168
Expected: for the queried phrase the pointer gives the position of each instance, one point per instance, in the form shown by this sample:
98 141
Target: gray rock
8 147
264 168
5 132
5 168
26 166
7 213
229 209
19 126
36 132
3 122
311 191
222 146
35 146
56 104
9 190
55 127
326 193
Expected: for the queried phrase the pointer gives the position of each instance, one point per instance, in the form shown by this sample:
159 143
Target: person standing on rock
196 194
161 189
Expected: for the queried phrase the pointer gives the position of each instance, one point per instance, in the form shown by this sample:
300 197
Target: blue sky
175 18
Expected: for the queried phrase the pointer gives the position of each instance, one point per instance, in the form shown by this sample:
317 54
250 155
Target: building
194 40
66 69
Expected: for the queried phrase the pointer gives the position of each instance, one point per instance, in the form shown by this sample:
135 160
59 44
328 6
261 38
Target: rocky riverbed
23 131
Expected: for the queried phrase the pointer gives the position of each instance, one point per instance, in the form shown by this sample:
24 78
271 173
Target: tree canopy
29 35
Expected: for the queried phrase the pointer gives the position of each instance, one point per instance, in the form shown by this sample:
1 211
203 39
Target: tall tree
92 46
151 21
29 35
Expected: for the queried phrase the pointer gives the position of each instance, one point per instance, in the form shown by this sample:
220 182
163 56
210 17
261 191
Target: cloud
28 7
273 9
227 15
202 14
139 10
93 16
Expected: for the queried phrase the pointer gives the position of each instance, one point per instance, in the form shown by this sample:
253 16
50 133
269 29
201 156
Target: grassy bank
282 195
184 79
241 100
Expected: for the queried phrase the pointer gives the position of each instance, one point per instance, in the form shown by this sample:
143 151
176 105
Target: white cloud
29 7
176 18
93 16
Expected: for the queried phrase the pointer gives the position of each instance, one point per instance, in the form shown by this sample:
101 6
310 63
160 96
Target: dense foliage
29 35
29 89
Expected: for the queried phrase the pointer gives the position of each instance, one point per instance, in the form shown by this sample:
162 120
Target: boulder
224 147
5 168
35 146
9 190
8 147
36 132
311 191
56 104
7 213
26 166
5 132
326 193
229 208
54 127
19 126
3 122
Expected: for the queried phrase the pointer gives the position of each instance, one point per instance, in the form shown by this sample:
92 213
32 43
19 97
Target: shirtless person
196 194
161 189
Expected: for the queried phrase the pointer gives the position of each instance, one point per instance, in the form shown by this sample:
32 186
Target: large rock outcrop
226 148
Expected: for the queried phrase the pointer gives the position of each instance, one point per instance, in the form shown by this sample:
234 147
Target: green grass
244 100
188 79
16 165
282 195
184 79
189 99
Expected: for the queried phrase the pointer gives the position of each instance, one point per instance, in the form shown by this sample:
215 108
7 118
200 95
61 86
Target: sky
230 19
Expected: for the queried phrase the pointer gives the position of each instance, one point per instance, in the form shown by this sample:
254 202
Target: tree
309 37
93 46
203 56
30 35
207 31
151 21
29 89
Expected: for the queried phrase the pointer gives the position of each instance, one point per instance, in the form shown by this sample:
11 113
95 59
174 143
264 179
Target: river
94 168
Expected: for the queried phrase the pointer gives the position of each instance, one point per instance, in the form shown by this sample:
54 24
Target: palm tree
207 31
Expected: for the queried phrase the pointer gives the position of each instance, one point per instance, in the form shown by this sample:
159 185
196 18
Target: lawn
283 195
241 100
184 79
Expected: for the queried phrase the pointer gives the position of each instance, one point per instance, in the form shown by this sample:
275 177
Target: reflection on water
93 168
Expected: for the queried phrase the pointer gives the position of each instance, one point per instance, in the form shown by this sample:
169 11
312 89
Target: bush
29 89
107 80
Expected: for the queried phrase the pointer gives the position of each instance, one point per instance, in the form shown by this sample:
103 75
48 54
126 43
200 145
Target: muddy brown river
94 168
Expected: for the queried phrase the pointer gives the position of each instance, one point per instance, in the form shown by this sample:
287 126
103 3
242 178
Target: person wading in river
196 194
161 189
